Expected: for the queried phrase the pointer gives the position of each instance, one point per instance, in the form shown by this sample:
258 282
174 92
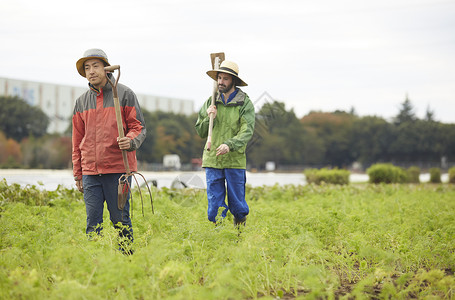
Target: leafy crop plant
307 242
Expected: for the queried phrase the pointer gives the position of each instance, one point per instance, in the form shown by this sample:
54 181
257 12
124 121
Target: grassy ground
309 242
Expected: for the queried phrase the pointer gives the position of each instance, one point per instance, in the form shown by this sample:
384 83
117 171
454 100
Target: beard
223 89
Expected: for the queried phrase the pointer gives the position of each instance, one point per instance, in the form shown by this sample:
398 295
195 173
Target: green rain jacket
233 126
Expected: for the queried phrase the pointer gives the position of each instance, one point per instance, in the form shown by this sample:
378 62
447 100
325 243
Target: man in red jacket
97 150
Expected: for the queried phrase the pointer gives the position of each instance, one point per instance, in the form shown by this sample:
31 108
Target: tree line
319 139
338 139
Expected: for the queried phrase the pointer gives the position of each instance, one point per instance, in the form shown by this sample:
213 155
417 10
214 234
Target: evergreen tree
406 113
429 115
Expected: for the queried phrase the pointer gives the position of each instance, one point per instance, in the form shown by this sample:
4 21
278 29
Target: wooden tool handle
216 60
112 68
118 114
121 133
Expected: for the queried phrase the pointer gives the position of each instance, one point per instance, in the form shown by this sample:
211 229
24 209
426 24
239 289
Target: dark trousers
100 188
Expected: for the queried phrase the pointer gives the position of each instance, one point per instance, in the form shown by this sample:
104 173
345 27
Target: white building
57 101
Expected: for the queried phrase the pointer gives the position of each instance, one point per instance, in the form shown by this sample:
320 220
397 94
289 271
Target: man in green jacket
233 127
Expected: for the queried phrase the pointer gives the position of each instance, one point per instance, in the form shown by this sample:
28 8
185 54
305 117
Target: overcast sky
312 55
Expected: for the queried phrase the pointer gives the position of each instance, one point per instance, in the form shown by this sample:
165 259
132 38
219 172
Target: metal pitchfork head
124 186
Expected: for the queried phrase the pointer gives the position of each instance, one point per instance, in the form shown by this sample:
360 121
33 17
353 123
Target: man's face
94 72
225 83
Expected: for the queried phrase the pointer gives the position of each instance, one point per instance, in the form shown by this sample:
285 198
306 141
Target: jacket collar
107 87
238 100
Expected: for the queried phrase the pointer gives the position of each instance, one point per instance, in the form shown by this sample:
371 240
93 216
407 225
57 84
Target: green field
311 242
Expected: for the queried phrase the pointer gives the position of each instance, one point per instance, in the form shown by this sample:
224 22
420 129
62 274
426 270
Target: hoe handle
216 59
209 136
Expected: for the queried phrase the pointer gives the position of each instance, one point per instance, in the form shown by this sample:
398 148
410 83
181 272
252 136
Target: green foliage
324 175
45 152
406 113
169 133
278 136
338 138
386 173
452 175
20 119
334 139
435 175
371 137
316 242
413 174
334 129
10 152
33 195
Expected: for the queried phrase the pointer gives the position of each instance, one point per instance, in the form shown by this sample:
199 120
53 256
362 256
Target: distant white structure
172 161
270 166
57 101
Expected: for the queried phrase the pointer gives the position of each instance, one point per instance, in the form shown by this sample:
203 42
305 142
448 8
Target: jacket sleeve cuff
230 145
133 146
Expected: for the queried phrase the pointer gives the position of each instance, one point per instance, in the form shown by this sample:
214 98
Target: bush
452 175
386 173
413 174
334 176
435 175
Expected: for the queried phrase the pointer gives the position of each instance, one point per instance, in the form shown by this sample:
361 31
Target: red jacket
95 147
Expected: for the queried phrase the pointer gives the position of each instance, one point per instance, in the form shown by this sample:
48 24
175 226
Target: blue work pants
218 182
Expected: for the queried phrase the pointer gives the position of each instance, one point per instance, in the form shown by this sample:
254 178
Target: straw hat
227 67
90 54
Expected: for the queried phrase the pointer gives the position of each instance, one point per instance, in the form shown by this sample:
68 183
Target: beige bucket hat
228 67
89 54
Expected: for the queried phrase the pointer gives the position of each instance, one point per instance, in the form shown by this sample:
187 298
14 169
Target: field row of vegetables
309 242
